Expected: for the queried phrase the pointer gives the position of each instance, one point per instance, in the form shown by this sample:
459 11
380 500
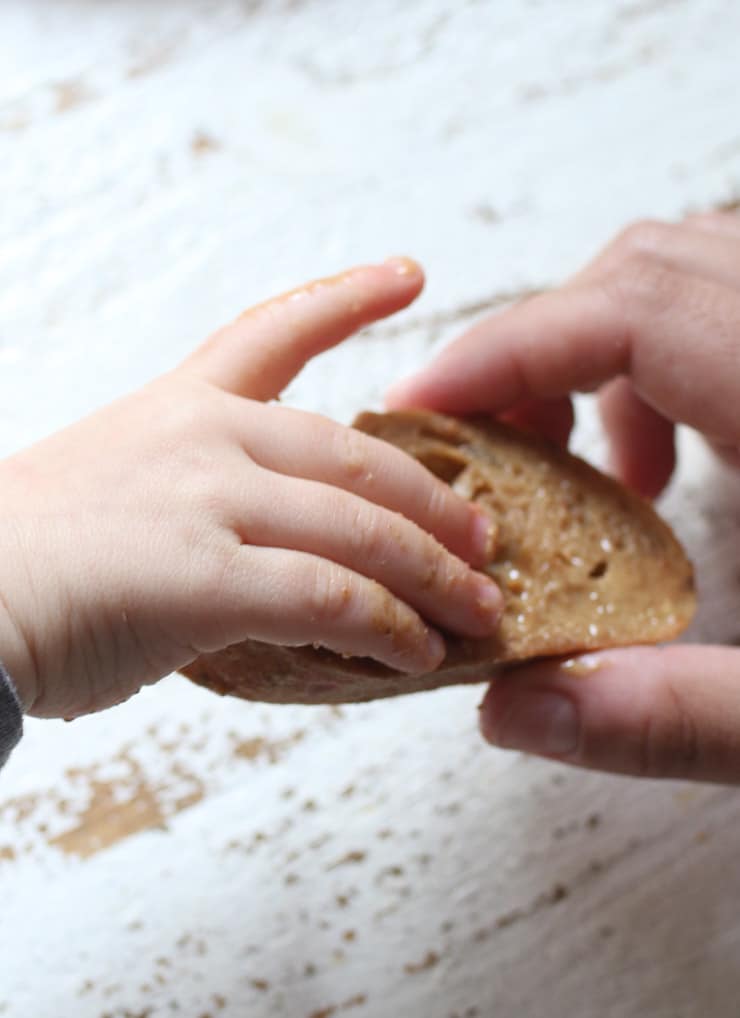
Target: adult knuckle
645 236
641 283
640 277
671 742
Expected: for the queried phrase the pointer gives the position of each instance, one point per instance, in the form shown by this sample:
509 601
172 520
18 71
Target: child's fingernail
543 722
402 266
489 601
436 650
485 532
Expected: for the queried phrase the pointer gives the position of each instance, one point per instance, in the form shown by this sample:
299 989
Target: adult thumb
659 712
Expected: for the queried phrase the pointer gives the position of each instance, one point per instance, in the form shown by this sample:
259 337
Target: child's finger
642 441
259 353
321 603
321 450
661 712
285 512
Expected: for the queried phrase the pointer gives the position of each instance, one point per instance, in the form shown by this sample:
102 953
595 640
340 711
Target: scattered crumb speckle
729 205
202 143
389 871
485 213
350 859
430 959
71 94
272 750
334 1009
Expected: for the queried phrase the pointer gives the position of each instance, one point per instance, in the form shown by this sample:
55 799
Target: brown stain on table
113 809
430 959
113 799
106 821
270 749
120 808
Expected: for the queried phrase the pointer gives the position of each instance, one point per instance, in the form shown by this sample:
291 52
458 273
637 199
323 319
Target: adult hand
653 324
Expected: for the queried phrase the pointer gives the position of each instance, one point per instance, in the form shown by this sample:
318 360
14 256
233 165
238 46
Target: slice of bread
583 564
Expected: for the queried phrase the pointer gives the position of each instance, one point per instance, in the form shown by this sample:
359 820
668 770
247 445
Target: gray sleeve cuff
11 717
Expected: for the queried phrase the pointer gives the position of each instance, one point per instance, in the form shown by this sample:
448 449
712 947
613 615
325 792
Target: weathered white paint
164 165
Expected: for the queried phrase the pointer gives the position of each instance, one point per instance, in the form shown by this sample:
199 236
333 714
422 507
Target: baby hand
193 514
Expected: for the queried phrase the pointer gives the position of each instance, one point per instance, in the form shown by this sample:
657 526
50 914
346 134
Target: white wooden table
164 165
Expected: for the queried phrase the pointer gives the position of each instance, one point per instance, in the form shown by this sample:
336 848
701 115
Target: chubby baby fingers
293 598
308 516
308 446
